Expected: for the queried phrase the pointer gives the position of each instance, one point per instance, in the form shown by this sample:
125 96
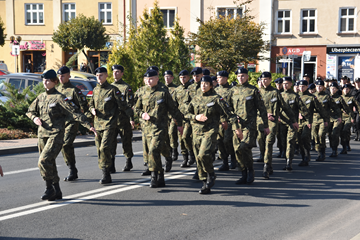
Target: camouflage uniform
261 137
74 95
346 121
173 132
54 109
245 100
273 103
123 126
281 135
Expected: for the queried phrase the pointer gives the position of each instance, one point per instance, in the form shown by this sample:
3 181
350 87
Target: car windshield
93 83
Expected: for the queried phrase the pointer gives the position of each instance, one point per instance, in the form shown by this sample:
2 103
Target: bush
6 134
253 76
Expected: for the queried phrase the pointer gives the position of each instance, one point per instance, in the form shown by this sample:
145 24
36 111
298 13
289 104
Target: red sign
33 45
294 51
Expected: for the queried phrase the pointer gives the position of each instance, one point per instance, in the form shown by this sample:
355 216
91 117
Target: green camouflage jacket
340 102
312 103
297 106
128 95
181 97
351 102
328 103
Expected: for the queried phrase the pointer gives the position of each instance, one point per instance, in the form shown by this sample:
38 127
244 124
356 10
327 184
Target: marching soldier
125 123
357 118
261 136
74 95
282 130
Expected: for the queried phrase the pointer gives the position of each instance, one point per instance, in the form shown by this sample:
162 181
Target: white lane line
121 155
24 170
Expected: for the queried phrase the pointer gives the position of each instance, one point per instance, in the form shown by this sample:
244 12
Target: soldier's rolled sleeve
33 110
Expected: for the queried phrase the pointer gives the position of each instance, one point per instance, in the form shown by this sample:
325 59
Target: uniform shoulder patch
66 99
80 92
221 99
117 92
130 90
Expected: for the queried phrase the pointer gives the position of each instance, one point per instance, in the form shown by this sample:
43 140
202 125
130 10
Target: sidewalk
30 144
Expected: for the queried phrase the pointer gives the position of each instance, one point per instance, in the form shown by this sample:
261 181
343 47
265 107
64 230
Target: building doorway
38 61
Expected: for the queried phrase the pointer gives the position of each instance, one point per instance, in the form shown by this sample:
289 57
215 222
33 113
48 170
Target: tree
2 35
80 33
224 42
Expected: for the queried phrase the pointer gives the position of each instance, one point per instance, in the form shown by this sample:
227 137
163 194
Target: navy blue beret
206 78
117 67
100 70
151 73
265 75
287 79
63 70
222 74
334 84
279 80
153 68
303 83
196 71
168 72
241 70
206 71
183 73
311 86
49 74
320 82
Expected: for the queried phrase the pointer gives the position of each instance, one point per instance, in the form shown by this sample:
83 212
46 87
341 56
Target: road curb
34 148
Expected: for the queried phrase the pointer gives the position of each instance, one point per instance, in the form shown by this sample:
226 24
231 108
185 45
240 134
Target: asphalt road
316 202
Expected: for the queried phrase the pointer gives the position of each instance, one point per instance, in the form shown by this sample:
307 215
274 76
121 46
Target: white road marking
24 170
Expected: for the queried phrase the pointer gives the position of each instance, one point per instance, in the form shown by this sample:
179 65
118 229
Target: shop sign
33 45
342 50
346 67
292 51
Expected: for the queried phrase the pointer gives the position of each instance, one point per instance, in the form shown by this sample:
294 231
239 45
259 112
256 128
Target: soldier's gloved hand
339 120
181 130
201 118
267 131
225 125
132 124
94 131
37 121
93 111
270 117
145 116
295 126
239 133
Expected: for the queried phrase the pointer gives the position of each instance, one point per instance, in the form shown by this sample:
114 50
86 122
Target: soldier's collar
68 84
104 84
119 81
51 91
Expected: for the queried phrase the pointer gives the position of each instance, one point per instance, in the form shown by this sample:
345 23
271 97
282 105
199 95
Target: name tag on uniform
52 105
337 102
308 101
273 100
210 104
350 102
70 98
291 101
160 101
107 99
325 101
249 98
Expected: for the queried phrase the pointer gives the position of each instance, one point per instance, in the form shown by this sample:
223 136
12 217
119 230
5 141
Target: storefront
343 61
295 61
33 57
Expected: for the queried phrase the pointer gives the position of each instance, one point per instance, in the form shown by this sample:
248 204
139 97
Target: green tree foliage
253 76
2 33
222 43
81 32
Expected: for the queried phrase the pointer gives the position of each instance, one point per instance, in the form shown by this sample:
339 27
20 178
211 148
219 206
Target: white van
3 66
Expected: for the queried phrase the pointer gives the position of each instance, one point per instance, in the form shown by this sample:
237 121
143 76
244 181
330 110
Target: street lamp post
16 53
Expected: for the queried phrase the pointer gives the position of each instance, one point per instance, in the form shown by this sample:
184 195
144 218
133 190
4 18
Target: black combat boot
243 179
318 156
306 158
106 177
185 164
283 154
280 153
72 174
233 163
334 152
168 164
321 158
128 165
50 192
297 151
357 135
250 175
261 158
154 179
288 166
266 171
58 193
210 180
146 172
112 167
175 154
307 155
348 148
312 145
224 166
196 175
270 169
193 159
344 150
161 179
204 189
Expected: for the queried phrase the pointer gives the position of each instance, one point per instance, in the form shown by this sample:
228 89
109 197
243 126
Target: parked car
86 86
3 98
83 75
19 81
4 72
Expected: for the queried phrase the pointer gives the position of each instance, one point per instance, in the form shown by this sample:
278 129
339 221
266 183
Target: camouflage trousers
281 135
126 135
224 142
334 130
154 144
186 143
318 132
304 137
105 145
173 135
204 147
261 137
67 150
49 149
346 130
290 142
243 147
269 142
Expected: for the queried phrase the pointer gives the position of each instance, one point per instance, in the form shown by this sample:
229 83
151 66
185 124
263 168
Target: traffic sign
15 50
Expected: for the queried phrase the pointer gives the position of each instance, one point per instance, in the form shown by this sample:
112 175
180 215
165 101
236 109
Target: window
34 14
17 83
105 13
283 22
224 12
308 23
169 17
69 11
347 19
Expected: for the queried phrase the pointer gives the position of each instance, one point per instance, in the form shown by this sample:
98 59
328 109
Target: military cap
222 74
258 79
318 78
196 71
303 83
334 84
348 85
49 74
153 68
151 73
63 70
296 84
357 80
279 80
214 78
206 71
183 73
234 83
319 82
328 79
168 72
206 78
287 79
306 75
117 67
241 70
265 75
311 86
100 70
344 77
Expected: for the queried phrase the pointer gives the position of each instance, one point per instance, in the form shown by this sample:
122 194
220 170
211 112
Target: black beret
328 80
303 83
100 70
265 75
168 72
206 71
196 71
117 67
234 83
306 75
183 73
206 78
287 79
241 70
258 79
63 70
214 78
318 78
334 84
222 74
279 80
348 85
49 74
296 84
151 73
319 82
344 77
153 68
357 80
311 86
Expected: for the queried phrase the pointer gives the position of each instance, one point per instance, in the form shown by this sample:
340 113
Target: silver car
19 81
